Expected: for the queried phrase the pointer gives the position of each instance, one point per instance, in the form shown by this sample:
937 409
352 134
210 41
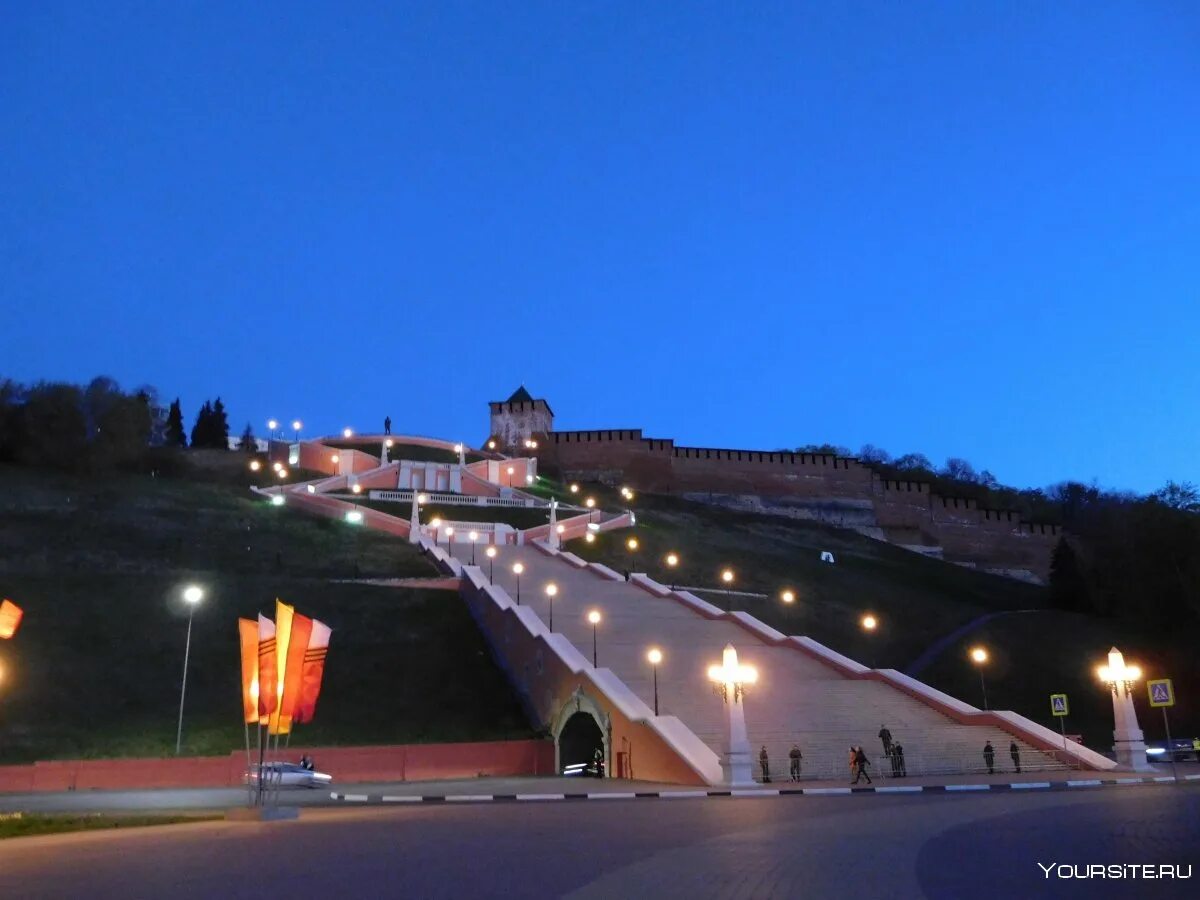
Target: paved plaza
935 845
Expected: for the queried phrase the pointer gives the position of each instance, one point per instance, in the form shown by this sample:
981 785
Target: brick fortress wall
831 488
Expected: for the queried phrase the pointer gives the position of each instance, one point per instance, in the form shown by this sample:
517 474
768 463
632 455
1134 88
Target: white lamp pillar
414 521
728 680
1128 742
554 541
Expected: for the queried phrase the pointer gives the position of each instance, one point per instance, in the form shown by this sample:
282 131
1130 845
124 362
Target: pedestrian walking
853 765
387 424
898 756
885 737
1015 752
764 762
860 764
598 762
795 756
989 757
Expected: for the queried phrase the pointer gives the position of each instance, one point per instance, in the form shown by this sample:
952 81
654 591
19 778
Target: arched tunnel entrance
579 740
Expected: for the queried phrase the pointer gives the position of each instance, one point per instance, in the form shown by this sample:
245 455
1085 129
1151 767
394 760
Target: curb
1016 786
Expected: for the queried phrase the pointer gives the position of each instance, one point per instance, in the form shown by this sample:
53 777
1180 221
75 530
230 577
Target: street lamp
1128 743
590 502
869 622
552 592
979 656
655 657
590 538
347 432
255 465
192 595
510 475
335 459
281 472
449 540
271 426
788 596
518 568
473 536
574 489
727 576
672 561
594 618
490 553
632 544
296 425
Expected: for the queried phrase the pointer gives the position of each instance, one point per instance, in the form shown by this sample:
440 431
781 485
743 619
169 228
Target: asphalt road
860 846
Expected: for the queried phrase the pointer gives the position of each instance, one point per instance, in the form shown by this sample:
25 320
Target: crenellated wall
831 488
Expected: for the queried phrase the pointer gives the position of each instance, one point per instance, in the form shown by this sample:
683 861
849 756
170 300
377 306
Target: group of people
894 751
794 757
989 756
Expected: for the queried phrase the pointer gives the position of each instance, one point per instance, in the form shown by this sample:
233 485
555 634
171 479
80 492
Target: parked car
288 775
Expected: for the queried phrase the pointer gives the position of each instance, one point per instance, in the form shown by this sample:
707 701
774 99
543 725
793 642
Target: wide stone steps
797 698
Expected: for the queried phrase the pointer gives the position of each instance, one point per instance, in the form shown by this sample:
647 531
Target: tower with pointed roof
515 420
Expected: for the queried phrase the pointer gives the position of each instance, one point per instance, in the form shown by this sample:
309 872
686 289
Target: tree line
1121 553
100 425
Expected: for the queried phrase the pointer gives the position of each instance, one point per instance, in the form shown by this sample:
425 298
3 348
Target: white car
288 775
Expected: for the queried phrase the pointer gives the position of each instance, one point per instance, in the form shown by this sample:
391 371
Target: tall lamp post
979 656
490 553
449 540
632 544
518 568
594 618
672 561
473 536
655 657
296 425
192 596
551 593
729 680
271 426
1128 743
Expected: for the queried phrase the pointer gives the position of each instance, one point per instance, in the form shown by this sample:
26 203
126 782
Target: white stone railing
440 499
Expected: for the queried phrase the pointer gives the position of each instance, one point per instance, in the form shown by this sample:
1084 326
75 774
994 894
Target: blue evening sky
966 229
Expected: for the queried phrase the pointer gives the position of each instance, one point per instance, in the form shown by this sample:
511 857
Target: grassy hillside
917 601
99 563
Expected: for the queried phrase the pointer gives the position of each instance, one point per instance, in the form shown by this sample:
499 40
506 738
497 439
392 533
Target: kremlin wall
837 490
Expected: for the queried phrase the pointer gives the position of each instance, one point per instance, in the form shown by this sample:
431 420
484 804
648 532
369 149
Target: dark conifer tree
220 426
176 436
202 430
249 444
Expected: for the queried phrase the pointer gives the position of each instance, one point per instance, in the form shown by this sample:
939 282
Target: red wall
397 762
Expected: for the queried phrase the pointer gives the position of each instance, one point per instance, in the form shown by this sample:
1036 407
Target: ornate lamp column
554 540
1128 743
729 680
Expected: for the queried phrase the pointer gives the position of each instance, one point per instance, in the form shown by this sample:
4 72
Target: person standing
894 759
387 424
795 756
860 764
885 737
764 762
598 762
989 757
898 757
1015 752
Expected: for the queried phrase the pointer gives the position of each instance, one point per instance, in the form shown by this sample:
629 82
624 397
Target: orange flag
248 636
10 618
293 679
266 669
283 636
314 669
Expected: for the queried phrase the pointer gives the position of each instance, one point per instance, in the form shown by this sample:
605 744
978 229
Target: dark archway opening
578 741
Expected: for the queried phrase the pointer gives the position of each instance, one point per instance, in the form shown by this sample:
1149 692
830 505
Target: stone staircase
798 698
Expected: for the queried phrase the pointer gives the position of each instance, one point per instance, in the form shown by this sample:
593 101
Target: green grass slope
98 565
918 602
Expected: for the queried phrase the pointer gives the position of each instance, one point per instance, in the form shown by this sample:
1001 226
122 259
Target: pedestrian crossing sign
1058 704
1162 692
